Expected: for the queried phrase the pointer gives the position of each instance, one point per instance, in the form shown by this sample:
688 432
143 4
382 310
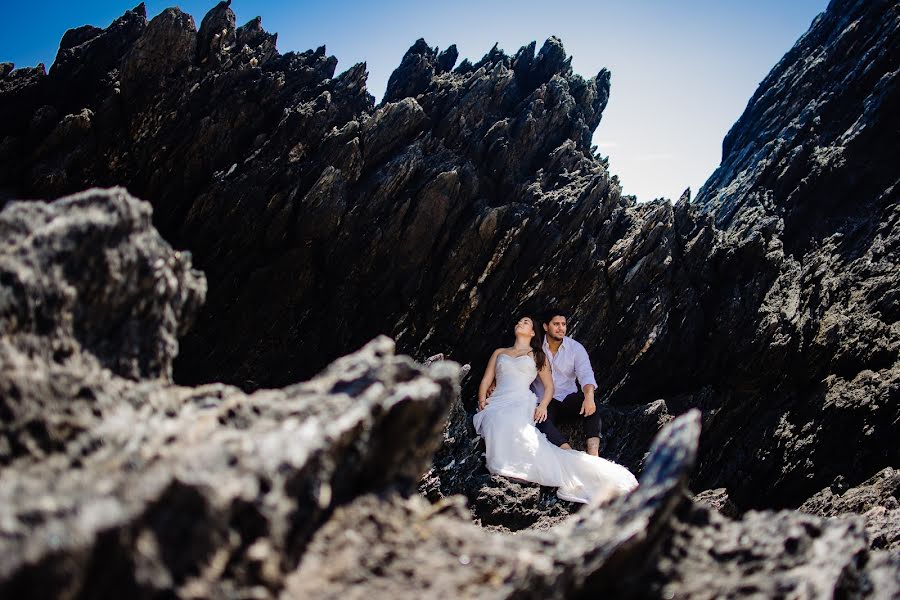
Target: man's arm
585 374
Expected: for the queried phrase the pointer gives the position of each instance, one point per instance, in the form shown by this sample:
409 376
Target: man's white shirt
570 363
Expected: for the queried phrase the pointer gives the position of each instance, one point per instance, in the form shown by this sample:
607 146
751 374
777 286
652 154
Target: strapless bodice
514 373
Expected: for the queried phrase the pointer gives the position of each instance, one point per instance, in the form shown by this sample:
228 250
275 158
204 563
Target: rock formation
877 499
806 179
150 489
116 482
469 195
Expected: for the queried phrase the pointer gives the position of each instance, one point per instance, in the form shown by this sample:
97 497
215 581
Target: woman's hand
482 402
540 413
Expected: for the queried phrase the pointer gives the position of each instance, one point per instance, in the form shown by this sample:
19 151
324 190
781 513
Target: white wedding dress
515 447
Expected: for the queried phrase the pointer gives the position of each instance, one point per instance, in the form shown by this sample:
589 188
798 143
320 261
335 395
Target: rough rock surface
472 193
877 499
719 500
806 179
768 555
183 492
87 288
114 487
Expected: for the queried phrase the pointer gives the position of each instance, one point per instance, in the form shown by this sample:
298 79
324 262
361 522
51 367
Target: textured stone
768 555
118 487
429 548
877 499
470 195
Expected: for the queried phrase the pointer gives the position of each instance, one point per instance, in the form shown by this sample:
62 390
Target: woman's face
525 326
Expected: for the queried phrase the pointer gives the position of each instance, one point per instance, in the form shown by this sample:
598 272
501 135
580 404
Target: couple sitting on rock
522 439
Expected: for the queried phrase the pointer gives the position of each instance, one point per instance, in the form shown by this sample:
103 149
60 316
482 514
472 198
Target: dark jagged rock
414 73
473 194
167 45
85 71
217 35
881 490
79 35
823 108
820 341
161 490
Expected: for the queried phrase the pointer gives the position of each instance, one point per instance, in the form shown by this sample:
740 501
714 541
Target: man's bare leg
566 446
593 446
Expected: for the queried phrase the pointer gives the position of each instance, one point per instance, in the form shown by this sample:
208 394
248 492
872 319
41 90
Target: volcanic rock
210 492
117 482
472 194
877 499
805 178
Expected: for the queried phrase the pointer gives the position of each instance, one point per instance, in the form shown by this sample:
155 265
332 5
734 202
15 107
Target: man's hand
588 407
540 413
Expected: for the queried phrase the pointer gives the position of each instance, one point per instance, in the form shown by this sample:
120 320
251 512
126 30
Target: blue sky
682 72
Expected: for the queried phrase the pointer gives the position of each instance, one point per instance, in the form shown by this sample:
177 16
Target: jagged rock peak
831 97
144 68
422 63
217 33
252 34
418 66
552 60
79 35
529 105
140 10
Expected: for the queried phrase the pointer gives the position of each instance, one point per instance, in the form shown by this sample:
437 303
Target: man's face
556 329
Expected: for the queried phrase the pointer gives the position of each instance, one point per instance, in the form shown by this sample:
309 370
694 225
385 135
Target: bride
515 447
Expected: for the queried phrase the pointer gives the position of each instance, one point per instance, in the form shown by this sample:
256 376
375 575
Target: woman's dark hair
536 343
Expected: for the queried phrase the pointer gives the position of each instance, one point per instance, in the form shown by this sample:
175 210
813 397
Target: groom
569 361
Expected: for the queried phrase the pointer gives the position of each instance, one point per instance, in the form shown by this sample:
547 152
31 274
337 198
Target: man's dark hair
554 311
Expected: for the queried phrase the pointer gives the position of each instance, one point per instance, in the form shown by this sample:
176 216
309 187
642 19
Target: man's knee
552 433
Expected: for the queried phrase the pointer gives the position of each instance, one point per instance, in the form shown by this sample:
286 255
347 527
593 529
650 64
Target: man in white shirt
569 362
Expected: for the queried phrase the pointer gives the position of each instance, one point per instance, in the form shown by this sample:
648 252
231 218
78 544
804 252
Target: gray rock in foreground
114 486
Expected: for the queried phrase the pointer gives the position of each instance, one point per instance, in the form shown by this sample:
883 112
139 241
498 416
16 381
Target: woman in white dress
515 447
